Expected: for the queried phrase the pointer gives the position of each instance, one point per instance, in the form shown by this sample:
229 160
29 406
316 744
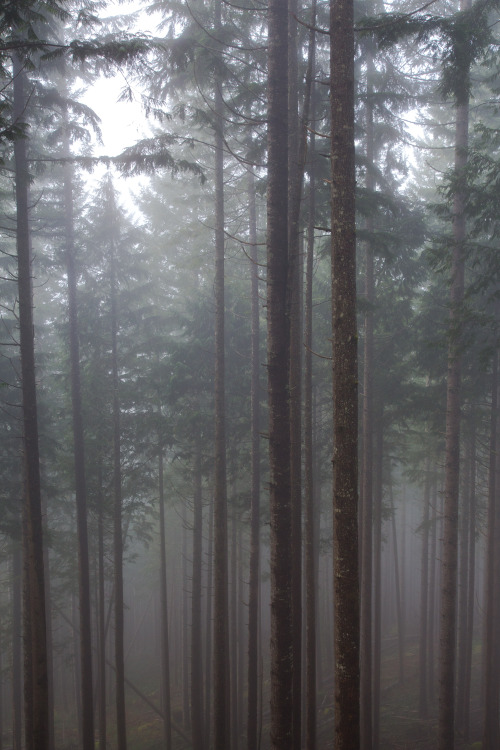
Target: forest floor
400 726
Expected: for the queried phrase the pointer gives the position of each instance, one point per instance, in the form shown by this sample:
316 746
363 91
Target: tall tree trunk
424 598
165 648
471 585
222 738
117 514
101 660
79 459
197 724
254 564
17 697
447 656
345 377
295 178
491 727
208 638
36 724
399 603
278 360
366 665
378 470
311 541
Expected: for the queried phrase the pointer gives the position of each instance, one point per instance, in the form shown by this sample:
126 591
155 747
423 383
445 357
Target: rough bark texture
36 682
197 724
345 379
278 354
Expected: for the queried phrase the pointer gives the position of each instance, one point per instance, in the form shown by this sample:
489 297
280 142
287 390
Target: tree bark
345 378
165 648
118 541
254 564
278 362
222 738
37 706
447 655
79 458
197 724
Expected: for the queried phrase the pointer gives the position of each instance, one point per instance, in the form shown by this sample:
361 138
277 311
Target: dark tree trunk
424 598
345 378
165 651
311 541
221 694
101 660
491 726
447 656
399 602
278 360
366 664
17 697
254 564
121 725
197 724
79 461
378 468
36 681
208 638
471 583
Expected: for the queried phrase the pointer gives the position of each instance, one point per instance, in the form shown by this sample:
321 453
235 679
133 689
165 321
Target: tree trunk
471 585
447 656
79 459
165 650
424 598
197 724
345 377
491 727
118 541
278 360
37 706
17 697
101 660
378 470
311 541
221 694
254 564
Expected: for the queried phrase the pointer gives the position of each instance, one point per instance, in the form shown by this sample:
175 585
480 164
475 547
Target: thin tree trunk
37 706
17 697
424 598
399 602
491 726
378 466
165 649
278 361
311 541
208 640
366 664
345 378
447 655
472 574
101 659
254 564
117 514
79 459
197 724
